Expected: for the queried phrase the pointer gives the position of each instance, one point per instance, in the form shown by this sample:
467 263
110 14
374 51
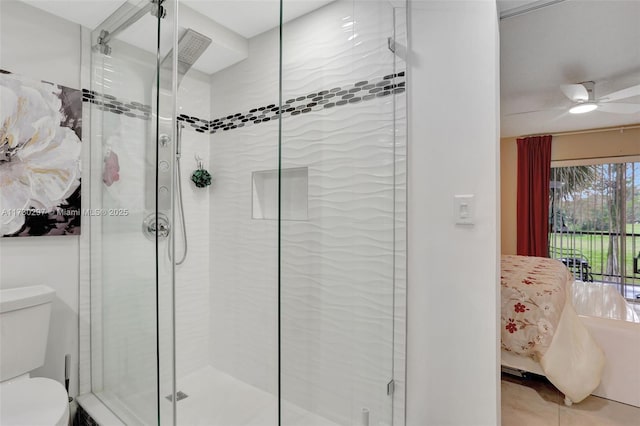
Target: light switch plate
464 209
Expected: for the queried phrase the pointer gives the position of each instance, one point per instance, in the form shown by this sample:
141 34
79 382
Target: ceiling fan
583 97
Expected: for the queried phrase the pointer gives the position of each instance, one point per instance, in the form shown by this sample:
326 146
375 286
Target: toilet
24 328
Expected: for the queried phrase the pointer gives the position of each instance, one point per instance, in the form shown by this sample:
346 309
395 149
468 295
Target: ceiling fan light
582 108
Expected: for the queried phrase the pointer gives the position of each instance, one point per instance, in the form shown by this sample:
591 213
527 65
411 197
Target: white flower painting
40 144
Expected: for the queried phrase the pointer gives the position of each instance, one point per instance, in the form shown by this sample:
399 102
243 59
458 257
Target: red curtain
534 172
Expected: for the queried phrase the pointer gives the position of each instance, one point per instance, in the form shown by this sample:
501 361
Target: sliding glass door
595 222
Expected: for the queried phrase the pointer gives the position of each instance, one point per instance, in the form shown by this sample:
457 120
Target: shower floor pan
218 399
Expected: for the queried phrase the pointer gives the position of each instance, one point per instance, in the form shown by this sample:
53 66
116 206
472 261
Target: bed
540 329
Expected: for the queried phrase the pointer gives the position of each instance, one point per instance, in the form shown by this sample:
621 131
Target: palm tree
575 179
566 183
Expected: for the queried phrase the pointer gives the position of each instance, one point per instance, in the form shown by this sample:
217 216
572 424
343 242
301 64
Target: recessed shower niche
294 194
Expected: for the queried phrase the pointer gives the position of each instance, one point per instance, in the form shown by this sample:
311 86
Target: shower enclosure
288 308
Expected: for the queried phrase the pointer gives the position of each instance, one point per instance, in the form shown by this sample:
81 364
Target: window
594 221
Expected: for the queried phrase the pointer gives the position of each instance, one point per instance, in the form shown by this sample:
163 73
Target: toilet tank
24 328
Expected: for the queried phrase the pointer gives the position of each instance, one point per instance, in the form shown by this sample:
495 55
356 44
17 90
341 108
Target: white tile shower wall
250 83
52 261
337 267
244 261
192 277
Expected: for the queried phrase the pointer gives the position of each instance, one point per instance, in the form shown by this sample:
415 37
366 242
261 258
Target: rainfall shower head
191 46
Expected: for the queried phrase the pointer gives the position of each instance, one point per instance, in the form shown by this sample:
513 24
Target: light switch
464 209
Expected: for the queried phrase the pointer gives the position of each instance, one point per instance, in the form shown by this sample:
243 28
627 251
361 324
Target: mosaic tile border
105 102
361 91
82 418
195 123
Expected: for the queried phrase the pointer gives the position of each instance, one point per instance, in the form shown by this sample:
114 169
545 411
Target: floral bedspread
533 293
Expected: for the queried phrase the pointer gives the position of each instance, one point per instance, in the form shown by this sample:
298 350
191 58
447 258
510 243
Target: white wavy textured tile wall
341 43
243 259
337 268
192 277
249 83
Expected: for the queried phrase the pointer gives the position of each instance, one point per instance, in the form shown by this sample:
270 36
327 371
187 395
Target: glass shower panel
131 305
342 265
399 45
227 287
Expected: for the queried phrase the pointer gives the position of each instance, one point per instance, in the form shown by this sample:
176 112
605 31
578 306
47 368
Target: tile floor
535 402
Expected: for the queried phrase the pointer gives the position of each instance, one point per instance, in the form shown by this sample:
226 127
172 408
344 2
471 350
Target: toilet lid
35 402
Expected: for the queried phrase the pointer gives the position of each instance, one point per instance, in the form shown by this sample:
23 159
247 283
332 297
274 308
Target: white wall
53 55
452 373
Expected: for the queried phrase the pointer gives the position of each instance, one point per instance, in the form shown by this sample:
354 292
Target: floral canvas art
40 145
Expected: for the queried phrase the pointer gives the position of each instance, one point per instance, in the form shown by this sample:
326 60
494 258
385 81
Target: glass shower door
132 116
342 214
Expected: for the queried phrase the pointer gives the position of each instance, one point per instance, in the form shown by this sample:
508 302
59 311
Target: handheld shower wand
181 217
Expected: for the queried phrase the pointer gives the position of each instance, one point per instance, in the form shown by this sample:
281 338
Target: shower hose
181 217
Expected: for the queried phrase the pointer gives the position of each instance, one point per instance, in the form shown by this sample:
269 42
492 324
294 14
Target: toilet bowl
24 328
34 401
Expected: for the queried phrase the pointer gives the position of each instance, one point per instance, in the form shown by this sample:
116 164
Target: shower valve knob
156 225
162 230
164 140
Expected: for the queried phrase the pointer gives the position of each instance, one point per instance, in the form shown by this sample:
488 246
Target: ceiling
564 43
515 5
245 17
230 23
250 18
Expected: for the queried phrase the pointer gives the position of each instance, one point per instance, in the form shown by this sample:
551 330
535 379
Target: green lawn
633 228
595 248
